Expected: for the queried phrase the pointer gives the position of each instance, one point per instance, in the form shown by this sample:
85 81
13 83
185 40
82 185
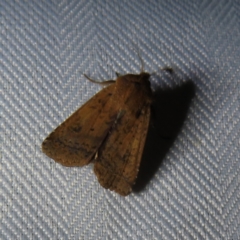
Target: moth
110 130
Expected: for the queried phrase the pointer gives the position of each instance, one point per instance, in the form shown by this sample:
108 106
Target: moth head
141 79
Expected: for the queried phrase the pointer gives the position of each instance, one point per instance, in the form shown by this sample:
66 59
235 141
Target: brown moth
110 130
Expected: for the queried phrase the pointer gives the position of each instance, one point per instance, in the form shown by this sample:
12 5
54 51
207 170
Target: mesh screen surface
46 46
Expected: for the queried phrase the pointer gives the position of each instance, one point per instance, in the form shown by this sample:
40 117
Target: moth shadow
170 108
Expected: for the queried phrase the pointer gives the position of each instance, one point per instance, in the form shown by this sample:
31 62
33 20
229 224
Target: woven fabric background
46 46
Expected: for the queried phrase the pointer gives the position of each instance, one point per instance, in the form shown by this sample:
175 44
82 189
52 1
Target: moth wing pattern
120 175
75 142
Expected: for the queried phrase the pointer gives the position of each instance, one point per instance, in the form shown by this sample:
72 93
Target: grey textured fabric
46 46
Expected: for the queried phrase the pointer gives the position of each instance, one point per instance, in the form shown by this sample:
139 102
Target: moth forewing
120 154
75 142
117 169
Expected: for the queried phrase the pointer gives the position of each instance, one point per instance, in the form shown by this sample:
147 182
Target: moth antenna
136 48
141 60
106 82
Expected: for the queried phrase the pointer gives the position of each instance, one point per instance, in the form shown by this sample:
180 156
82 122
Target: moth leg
168 69
106 82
